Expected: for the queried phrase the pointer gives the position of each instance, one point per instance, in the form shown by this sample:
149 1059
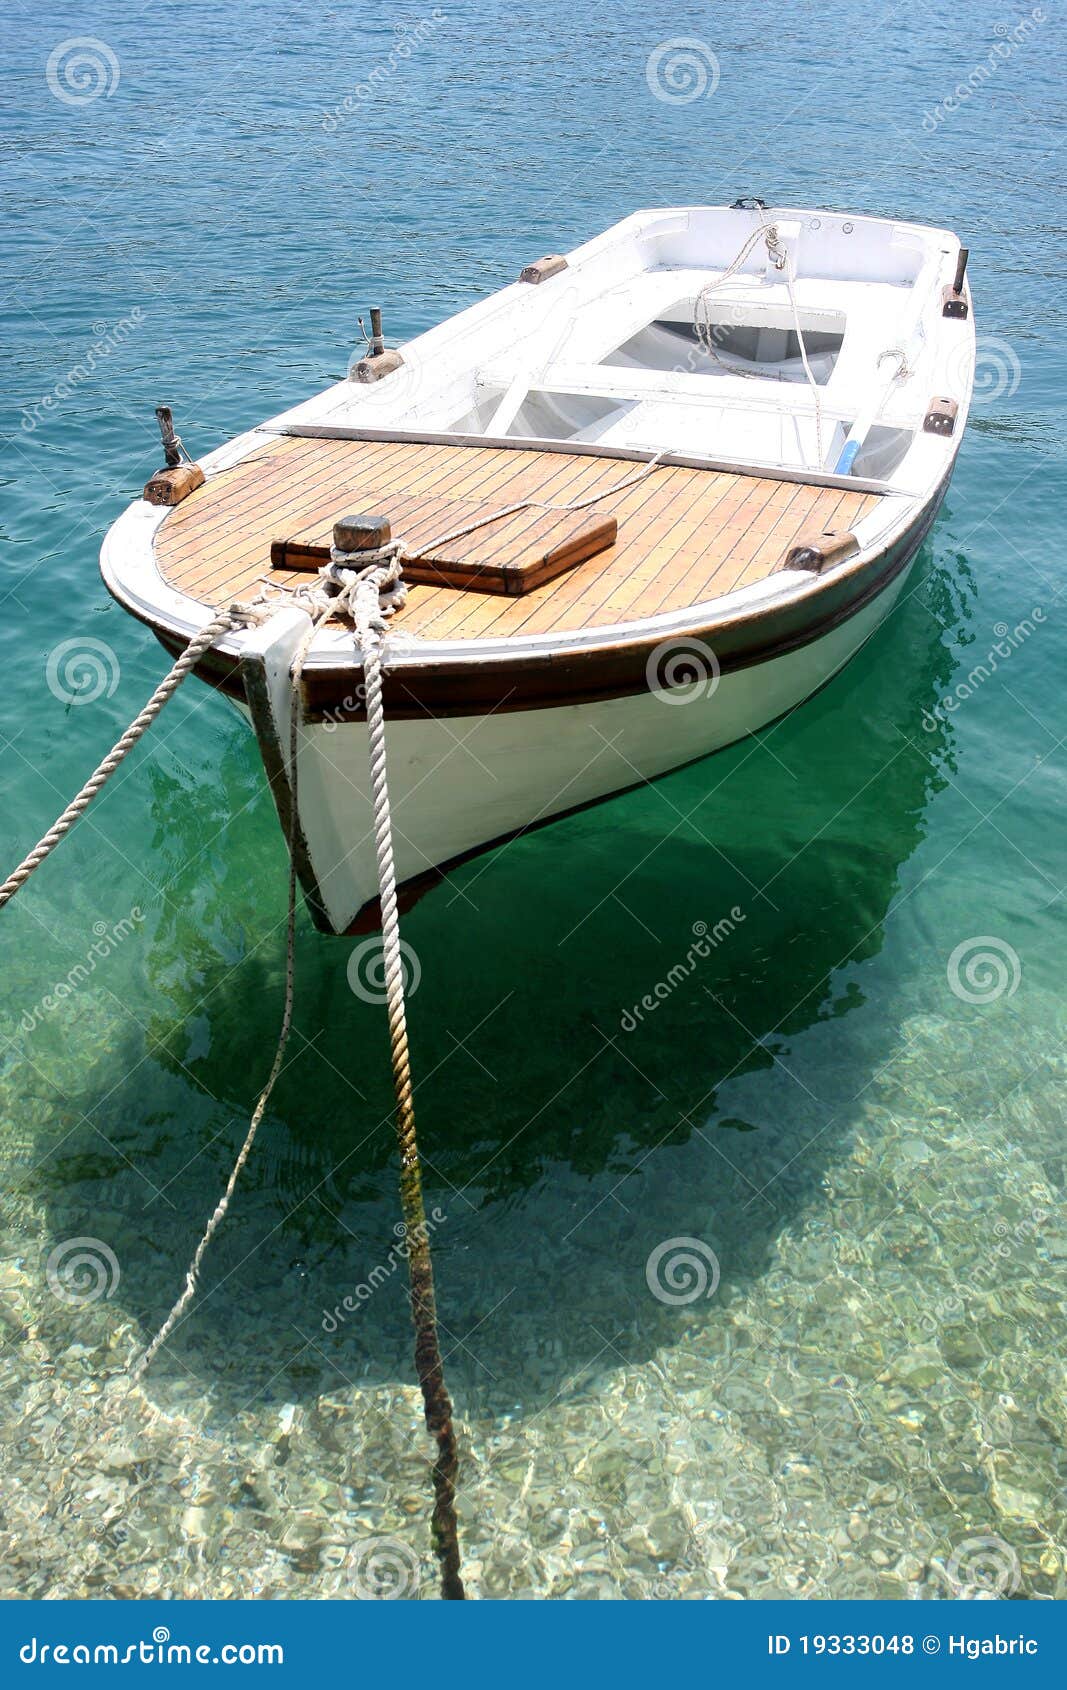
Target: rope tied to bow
371 584
371 594
221 623
368 585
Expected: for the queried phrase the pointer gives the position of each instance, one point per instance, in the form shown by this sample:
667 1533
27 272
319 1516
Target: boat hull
460 785
762 529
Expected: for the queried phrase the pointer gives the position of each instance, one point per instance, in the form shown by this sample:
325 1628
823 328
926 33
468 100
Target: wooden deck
685 535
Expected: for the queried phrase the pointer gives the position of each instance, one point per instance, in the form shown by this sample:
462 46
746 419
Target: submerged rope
436 1401
219 1213
370 594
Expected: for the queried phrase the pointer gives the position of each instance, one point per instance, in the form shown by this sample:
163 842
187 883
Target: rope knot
371 584
774 251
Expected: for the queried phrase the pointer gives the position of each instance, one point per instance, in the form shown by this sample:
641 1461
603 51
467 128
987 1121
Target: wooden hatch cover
510 553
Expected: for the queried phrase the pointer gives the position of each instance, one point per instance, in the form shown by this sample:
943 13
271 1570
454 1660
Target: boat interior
655 337
779 363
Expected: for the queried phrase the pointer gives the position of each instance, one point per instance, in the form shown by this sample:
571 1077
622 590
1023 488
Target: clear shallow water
873 1399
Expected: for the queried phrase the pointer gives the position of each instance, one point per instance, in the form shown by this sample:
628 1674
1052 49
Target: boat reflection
637 1024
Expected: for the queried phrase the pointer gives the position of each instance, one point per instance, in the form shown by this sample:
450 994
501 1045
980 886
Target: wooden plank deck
685 535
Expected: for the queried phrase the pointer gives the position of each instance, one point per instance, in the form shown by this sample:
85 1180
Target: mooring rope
370 593
221 623
219 1213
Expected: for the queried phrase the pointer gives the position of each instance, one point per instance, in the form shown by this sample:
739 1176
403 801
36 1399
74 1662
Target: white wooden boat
758 411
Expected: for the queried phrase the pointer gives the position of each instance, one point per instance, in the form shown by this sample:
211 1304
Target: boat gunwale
133 576
777 591
586 448
548 679
367 916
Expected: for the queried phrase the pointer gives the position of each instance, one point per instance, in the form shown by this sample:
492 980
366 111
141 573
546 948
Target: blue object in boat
850 452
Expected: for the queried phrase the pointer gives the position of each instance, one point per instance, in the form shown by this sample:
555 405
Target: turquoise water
853 1104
